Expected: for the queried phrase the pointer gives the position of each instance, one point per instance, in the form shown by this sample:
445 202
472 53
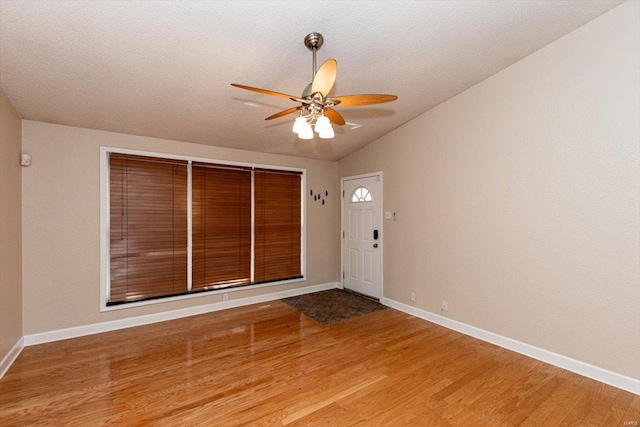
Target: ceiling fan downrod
313 42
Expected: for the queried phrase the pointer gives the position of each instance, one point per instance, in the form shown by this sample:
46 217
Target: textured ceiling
164 69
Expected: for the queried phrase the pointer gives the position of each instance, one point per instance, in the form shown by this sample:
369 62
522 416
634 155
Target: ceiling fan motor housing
306 93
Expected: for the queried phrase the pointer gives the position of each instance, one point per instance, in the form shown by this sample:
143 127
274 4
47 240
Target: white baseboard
96 328
11 357
608 377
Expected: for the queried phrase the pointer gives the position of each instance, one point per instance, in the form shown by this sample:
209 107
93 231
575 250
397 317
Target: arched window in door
361 194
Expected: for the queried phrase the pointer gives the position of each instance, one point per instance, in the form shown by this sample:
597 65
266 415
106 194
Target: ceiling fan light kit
316 108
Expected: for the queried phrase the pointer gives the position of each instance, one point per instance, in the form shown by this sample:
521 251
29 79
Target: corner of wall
10 234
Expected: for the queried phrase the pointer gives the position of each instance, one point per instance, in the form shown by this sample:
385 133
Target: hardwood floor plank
559 403
632 415
584 405
618 408
597 413
268 365
309 409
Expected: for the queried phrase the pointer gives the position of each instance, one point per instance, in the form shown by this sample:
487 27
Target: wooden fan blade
364 99
325 77
334 116
265 91
283 113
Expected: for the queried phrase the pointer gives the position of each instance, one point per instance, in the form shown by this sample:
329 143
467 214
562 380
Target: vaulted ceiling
164 69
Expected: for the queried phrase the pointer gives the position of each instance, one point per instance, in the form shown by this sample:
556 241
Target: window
179 227
148 232
361 194
221 226
277 225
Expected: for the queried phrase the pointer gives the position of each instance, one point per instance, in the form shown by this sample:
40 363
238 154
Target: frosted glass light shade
299 124
323 127
322 124
327 133
305 131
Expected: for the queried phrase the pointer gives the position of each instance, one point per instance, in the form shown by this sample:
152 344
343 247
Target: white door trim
342 226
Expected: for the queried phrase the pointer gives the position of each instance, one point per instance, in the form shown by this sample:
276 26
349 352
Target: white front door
362 235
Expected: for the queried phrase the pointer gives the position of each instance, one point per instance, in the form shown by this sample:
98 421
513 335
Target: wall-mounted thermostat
25 159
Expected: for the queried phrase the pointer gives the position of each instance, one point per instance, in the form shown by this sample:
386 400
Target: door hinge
342 193
343 235
343 274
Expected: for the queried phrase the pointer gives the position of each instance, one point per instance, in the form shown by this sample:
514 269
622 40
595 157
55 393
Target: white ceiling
164 69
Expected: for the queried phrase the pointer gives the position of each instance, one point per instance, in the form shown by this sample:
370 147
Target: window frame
105 226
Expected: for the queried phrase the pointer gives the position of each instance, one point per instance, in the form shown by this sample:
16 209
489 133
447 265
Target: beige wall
61 223
518 199
10 228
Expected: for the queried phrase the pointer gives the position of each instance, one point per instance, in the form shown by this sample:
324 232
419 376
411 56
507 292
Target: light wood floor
268 365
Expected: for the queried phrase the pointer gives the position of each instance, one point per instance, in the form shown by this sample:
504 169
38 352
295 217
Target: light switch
388 215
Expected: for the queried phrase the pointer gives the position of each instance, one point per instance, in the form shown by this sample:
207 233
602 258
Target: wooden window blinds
148 227
277 225
149 248
221 226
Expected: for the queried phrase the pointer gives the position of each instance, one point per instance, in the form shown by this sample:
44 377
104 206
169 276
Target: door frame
377 174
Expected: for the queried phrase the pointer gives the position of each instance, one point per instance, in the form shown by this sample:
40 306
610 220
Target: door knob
375 245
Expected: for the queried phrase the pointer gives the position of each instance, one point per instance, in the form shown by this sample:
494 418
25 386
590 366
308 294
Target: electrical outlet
445 305
413 296
225 297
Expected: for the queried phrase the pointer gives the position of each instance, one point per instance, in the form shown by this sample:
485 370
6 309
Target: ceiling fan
316 107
